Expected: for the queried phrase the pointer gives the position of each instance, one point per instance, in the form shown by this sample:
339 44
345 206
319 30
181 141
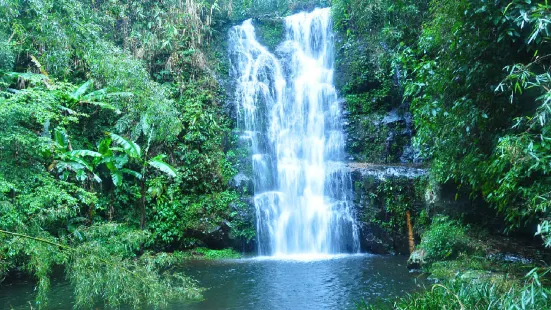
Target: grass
210 254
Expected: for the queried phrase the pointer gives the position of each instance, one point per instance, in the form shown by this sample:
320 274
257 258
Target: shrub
477 295
444 239
210 254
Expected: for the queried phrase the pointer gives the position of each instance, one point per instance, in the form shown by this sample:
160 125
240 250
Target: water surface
266 283
337 283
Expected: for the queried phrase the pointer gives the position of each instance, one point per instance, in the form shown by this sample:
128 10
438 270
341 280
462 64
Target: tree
111 157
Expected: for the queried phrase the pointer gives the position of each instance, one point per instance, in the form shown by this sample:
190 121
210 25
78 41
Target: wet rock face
242 183
245 217
381 138
382 193
383 172
374 239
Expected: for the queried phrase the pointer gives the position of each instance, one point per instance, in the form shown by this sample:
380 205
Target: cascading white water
289 112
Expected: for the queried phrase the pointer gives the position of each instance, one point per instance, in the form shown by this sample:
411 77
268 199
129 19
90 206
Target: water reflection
302 283
264 283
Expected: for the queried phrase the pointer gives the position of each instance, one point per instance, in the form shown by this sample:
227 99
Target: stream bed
330 282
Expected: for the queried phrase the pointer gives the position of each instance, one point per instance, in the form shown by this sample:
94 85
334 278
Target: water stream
290 114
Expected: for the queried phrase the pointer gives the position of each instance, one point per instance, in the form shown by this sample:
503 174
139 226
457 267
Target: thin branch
37 239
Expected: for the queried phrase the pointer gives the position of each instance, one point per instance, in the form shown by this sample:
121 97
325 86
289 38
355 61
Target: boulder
416 259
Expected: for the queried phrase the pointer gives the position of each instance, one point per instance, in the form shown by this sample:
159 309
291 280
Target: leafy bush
444 239
483 295
205 253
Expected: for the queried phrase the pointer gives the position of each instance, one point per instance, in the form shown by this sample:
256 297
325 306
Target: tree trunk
142 205
410 232
111 207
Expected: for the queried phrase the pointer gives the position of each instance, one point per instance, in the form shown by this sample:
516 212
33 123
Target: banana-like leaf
117 178
83 153
31 77
101 94
104 147
130 147
81 175
109 163
69 166
80 161
96 178
120 94
158 163
77 94
120 161
96 94
66 109
103 105
61 138
133 173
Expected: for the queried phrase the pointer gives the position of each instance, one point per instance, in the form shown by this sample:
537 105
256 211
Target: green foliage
210 254
369 36
270 32
390 199
243 9
397 196
483 292
101 266
105 272
445 239
140 72
191 215
476 76
7 56
469 55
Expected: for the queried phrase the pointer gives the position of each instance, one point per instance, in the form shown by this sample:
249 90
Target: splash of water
289 112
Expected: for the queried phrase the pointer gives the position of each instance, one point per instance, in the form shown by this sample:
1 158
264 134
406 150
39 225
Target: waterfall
290 115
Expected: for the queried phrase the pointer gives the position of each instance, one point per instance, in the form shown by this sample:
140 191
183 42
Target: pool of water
330 282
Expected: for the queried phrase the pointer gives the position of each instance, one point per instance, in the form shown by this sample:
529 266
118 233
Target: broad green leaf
77 94
80 161
104 147
130 147
61 138
82 153
133 173
104 105
81 175
158 163
117 178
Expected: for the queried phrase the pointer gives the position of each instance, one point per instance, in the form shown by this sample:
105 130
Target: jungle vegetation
116 144
115 147
476 77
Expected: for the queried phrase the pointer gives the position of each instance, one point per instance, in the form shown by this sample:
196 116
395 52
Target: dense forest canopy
116 140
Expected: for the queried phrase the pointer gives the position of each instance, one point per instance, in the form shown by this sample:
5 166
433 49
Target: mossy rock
270 32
